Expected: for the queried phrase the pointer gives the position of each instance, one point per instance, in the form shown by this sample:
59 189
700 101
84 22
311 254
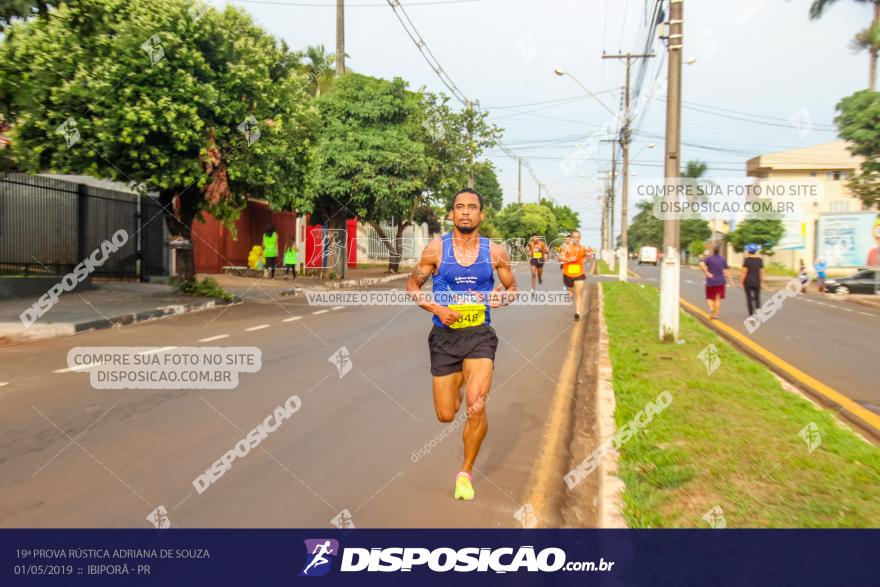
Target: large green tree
646 230
370 161
522 221
566 219
859 124
156 94
486 182
761 231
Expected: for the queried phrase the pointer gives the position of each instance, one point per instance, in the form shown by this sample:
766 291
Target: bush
208 288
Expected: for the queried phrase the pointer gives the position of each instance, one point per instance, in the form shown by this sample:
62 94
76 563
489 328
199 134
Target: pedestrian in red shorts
717 275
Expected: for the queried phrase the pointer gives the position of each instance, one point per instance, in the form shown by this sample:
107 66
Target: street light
651 146
560 72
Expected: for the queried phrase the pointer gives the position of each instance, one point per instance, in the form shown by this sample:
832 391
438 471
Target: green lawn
603 268
730 439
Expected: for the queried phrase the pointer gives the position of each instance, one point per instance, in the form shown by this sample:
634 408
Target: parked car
648 255
864 281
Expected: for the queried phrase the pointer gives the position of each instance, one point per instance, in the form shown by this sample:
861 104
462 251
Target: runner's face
466 213
576 237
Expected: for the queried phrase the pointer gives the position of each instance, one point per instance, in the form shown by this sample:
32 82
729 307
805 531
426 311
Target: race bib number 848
471 315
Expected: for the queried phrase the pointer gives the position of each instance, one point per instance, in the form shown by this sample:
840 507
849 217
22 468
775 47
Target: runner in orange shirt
572 255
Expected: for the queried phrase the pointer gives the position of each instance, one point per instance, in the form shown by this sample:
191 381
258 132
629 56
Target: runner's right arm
420 274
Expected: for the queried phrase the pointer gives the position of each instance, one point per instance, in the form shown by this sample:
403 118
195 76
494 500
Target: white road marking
865 314
292 319
320 312
158 350
210 338
260 327
77 368
2 383
337 307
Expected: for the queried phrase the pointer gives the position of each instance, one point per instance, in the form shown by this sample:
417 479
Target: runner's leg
447 395
534 271
578 296
478 381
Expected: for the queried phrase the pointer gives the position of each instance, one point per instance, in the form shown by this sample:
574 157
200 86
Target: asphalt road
74 456
831 339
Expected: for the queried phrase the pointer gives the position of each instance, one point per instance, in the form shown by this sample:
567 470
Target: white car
648 255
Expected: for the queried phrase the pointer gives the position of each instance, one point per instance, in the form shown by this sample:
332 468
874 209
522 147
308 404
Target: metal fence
373 247
48 226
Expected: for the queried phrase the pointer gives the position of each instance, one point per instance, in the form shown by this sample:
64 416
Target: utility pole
519 181
610 254
539 193
625 136
340 70
670 269
340 37
604 226
471 146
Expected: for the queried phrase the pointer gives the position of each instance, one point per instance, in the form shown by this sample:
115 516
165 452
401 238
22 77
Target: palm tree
321 68
696 228
868 38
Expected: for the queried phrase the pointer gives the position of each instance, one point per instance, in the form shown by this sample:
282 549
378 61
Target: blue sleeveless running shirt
452 277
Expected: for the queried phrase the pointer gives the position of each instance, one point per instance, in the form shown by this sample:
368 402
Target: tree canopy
859 124
155 94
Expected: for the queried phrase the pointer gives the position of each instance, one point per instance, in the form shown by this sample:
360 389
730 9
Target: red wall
215 248
315 249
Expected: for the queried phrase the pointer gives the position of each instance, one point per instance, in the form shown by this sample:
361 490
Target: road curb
42 332
349 283
555 455
852 412
610 485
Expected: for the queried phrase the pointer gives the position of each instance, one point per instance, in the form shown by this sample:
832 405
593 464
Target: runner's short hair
468 191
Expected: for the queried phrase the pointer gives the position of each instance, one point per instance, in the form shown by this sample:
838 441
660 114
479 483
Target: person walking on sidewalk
717 273
290 260
804 277
820 266
752 279
270 248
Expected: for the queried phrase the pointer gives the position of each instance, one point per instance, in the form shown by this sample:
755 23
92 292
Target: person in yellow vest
572 255
290 251
538 252
270 249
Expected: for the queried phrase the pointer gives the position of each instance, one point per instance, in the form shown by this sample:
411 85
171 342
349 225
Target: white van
648 255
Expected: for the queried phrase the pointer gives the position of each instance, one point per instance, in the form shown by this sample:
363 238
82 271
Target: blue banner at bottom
439 557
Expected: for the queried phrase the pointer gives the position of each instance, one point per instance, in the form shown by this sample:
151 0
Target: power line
413 33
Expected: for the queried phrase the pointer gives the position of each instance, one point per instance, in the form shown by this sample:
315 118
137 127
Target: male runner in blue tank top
462 343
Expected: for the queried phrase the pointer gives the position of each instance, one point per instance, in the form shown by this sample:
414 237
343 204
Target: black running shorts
569 281
448 347
536 261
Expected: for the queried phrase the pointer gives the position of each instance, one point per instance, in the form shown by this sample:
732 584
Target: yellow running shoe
463 488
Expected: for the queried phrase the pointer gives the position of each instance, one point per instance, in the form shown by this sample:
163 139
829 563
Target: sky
760 65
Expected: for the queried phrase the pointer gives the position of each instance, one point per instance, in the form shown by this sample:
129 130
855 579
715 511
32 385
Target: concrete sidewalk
118 304
108 305
253 289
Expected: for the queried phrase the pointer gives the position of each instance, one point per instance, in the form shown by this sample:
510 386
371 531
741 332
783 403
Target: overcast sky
760 57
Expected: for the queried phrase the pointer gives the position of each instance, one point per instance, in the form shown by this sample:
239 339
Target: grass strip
730 439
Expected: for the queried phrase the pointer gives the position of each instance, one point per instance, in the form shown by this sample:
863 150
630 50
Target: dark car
864 281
